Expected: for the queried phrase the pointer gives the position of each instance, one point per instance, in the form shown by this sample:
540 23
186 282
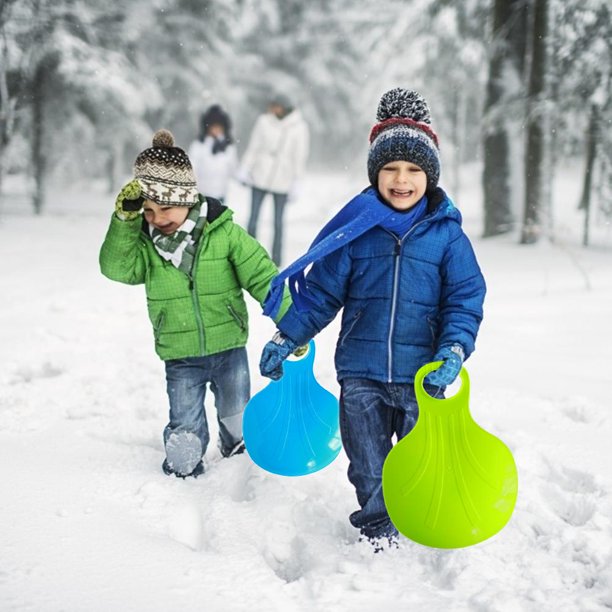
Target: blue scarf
400 222
362 213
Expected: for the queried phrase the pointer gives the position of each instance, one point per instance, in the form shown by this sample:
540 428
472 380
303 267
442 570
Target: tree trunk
39 166
591 157
537 128
6 106
507 58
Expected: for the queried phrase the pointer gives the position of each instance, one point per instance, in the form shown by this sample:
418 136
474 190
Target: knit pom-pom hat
165 173
404 133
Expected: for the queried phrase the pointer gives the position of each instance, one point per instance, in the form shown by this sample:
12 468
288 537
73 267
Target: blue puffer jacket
403 298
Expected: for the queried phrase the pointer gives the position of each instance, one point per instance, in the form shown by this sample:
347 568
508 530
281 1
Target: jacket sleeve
123 252
462 297
327 281
254 268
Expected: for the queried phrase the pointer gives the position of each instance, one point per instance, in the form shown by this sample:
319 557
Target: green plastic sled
448 483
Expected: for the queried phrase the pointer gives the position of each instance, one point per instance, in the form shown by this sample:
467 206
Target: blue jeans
280 200
371 412
186 379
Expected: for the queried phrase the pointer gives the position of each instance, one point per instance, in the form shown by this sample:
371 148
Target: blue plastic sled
291 427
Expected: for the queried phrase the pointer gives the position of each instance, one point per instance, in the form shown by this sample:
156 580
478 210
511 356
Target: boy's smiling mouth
401 194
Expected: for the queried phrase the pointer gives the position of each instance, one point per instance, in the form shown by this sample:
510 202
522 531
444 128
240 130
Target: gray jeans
186 379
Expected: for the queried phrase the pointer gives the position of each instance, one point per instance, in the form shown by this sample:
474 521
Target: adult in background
274 163
213 155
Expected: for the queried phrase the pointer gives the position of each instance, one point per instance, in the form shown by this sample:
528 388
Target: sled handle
441 406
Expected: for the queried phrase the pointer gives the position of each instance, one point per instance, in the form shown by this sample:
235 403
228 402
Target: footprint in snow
573 481
289 560
27 374
576 410
572 495
185 525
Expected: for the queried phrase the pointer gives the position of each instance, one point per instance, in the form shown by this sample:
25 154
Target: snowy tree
11 57
315 53
73 85
537 168
189 53
504 92
583 98
454 55
103 80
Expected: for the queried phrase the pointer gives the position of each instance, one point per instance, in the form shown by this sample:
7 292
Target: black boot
198 470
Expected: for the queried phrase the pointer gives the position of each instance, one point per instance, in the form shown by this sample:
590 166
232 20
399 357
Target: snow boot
198 470
183 453
381 543
237 449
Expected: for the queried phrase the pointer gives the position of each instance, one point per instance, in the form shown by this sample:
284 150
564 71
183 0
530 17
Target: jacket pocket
158 325
432 321
350 326
237 317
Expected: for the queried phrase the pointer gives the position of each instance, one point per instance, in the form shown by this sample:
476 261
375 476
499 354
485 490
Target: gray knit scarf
180 247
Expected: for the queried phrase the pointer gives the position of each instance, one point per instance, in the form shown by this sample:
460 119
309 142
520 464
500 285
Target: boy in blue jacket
396 260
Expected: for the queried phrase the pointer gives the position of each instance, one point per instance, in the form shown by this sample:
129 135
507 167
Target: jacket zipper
194 296
398 250
396 266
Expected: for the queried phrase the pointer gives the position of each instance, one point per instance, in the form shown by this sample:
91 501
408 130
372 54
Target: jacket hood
217 212
440 206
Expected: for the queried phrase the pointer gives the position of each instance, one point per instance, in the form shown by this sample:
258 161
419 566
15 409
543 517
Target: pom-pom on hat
404 133
165 173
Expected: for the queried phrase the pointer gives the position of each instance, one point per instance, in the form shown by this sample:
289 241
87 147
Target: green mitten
129 201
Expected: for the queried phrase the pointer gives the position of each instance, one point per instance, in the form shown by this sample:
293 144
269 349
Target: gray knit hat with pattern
165 173
404 133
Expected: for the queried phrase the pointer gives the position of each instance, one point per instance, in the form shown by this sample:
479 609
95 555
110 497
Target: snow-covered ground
88 522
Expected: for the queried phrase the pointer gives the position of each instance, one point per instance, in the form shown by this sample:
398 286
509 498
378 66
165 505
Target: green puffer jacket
200 317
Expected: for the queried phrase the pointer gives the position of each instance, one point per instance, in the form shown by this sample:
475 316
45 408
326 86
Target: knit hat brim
404 143
168 192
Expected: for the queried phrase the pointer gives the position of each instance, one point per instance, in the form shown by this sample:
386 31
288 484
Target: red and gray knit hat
404 133
165 173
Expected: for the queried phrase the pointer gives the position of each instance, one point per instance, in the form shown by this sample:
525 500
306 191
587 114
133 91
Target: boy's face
402 184
167 219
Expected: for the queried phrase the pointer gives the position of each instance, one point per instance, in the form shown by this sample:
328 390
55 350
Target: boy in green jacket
194 262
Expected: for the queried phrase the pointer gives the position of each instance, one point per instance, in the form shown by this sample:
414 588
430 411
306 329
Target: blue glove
273 355
453 357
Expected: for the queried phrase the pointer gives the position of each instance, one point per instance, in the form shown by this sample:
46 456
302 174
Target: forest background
520 97
516 85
